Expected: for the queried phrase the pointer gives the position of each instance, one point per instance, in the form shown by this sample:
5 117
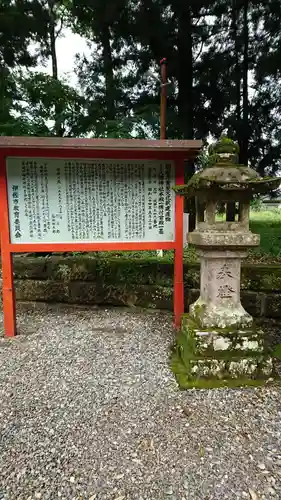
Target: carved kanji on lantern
224 272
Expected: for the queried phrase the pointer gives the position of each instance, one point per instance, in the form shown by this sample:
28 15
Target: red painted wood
67 143
72 153
8 293
178 260
88 247
90 154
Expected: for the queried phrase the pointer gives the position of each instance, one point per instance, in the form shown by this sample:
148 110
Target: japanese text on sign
66 201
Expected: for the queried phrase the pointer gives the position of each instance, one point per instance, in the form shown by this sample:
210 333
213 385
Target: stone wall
148 283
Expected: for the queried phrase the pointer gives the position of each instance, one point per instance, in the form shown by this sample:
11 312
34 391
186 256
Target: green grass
268 225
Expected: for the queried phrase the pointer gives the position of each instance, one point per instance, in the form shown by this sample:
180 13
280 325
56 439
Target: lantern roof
224 174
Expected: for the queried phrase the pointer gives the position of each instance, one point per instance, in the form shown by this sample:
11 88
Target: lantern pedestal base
224 315
209 358
219 303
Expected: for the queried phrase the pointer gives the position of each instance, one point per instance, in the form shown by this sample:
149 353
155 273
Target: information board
55 200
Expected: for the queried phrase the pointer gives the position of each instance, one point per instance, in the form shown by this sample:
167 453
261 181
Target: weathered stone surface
219 342
208 239
218 339
191 296
76 292
273 305
261 277
253 302
87 268
218 357
41 290
63 270
254 277
155 297
224 369
26 267
219 302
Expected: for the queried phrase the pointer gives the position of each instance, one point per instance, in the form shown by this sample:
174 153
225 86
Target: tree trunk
108 75
230 207
237 48
245 69
53 53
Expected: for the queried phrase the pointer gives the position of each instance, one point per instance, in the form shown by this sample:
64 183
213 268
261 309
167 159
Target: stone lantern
219 343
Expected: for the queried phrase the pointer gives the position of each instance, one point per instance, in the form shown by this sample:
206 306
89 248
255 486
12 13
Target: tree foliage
223 69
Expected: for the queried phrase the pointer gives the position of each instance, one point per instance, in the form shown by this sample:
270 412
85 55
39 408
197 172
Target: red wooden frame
7 248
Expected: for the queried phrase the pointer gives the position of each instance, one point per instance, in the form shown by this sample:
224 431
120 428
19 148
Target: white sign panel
68 201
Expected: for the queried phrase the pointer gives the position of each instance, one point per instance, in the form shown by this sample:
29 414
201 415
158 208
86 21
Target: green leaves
118 92
46 96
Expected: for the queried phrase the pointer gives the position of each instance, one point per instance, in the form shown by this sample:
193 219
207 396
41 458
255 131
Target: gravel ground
89 410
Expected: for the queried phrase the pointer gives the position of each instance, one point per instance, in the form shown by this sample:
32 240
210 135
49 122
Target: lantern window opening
200 211
220 215
232 211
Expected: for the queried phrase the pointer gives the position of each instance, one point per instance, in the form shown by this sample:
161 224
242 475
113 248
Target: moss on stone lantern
219 343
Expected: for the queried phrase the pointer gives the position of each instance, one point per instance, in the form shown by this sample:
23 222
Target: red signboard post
65 195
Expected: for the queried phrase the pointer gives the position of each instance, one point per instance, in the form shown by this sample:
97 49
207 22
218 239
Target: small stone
253 494
261 466
72 479
169 491
221 344
94 452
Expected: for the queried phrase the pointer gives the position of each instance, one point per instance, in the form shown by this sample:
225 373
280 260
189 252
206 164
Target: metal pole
163 110
163 102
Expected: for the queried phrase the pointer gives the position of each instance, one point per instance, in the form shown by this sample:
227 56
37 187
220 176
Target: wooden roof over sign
191 148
